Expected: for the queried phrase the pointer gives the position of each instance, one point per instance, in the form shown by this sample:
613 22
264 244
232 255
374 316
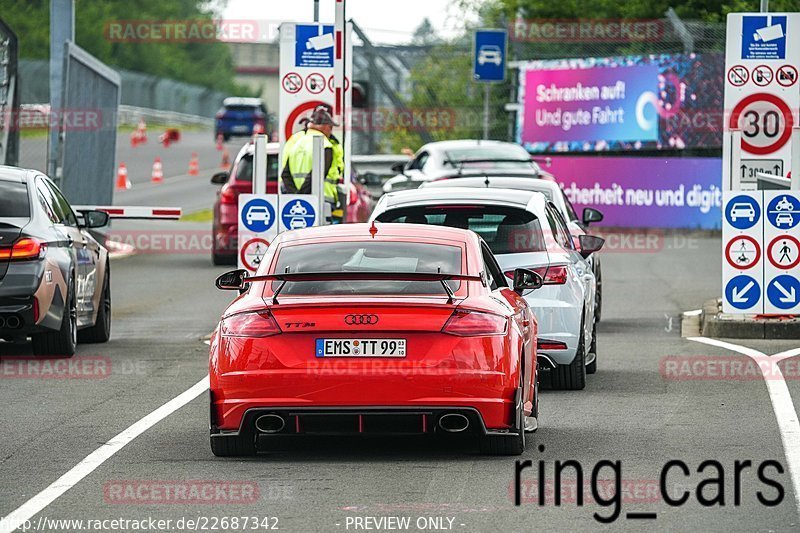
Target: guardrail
126 115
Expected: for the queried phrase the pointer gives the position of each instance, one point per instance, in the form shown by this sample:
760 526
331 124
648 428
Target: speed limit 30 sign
762 57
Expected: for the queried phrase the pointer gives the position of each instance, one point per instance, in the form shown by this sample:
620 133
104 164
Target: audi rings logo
361 320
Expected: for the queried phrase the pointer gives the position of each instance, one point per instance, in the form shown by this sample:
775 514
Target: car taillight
228 195
553 275
23 249
548 345
466 323
255 324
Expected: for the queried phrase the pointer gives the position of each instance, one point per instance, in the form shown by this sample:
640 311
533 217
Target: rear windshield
505 229
14 200
244 170
246 108
459 155
367 256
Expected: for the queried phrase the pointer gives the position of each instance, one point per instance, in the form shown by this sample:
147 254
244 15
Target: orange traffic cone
194 165
220 141
226 160
123 183
157 176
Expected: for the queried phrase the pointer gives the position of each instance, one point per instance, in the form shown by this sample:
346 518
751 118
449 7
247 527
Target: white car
742 210
447 158
524 230
490 54
258 213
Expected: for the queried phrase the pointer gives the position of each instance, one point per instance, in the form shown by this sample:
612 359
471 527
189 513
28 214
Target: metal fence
137 90
87 153
9 96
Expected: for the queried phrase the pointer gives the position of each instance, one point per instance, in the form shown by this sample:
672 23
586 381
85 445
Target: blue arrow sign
743 292
742 212
783 211
783 292
258 215
489 56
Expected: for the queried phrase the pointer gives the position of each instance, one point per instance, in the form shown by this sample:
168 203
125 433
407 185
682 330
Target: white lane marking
694 312
782 406
33 506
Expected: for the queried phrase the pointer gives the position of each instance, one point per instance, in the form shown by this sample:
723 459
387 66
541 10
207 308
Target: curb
716 324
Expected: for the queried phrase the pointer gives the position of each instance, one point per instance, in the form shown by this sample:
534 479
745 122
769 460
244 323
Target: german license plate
240 128
361 348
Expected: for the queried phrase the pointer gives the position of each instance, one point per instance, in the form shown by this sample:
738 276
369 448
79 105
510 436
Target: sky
384 21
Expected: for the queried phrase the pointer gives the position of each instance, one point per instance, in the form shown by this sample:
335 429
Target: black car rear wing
238 278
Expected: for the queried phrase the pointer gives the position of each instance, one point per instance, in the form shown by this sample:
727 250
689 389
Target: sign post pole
260 164
486 112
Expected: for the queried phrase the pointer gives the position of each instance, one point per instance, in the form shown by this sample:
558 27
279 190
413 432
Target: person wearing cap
298 158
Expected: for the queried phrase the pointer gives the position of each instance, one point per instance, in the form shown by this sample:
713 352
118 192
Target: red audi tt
382 329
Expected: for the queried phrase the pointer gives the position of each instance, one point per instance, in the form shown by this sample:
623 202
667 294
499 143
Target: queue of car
437 316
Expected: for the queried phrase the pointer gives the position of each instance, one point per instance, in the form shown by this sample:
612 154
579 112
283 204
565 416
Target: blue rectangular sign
314 48
764 37
489 56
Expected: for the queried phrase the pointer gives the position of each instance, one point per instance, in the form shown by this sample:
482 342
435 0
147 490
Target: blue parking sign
489 56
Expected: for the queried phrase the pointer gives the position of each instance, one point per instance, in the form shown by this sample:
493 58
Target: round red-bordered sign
243 256
292 83
315 83
738 75
751 263
763 75
796 247
787 119
786 75
346 83
294 116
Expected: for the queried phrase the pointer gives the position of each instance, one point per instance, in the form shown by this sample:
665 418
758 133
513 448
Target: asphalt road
632 411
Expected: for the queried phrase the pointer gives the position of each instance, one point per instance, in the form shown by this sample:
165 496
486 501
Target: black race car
54 276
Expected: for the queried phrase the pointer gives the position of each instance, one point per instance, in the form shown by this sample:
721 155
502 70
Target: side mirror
94 219
590 244
526 280
232 281
220 178
591 215
399 168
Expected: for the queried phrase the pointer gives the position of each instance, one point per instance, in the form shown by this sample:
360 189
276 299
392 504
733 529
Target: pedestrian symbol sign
784 252
253 252
743 292
743 252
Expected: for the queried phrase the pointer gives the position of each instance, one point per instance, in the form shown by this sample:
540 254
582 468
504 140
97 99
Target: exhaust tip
13 322
270 423
453 422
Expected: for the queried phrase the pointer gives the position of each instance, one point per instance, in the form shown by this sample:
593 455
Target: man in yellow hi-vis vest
298 158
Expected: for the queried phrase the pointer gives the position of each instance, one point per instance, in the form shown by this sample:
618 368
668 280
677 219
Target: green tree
208 64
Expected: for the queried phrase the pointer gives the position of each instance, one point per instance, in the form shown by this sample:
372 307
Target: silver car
552 190
523 229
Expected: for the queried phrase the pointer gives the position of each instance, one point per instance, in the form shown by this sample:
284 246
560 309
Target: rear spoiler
135 212
236 279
